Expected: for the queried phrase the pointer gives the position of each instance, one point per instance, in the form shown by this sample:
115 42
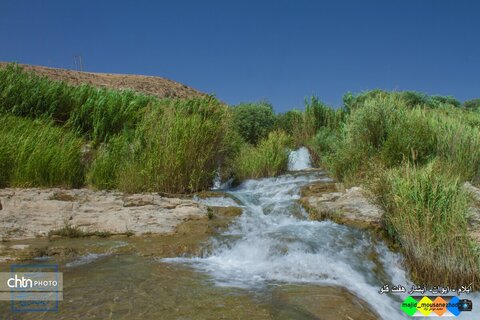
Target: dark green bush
254 120
289 121
410 137
473 104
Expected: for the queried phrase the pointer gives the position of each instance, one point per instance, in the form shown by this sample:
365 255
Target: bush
458 145
177 147
269 158
289 122
318 115
425 212
363 136
473 104
36 154
409 138
410 99
254 120
324 143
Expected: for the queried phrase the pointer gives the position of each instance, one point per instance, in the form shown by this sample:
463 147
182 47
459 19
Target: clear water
271 263
273 242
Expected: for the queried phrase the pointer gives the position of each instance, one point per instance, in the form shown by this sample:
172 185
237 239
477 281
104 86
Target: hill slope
156 86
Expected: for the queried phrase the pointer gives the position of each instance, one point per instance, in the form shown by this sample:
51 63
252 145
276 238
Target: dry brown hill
156 86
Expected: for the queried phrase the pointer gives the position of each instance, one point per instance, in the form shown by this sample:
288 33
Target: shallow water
273 243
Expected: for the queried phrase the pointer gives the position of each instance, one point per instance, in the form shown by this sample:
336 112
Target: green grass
34 153
177 148
268 158
413 152
426 213
97 113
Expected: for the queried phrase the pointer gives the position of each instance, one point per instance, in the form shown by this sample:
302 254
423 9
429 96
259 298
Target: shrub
254 120
35 154
289 122
363 136
318 115
269 158
409 138
176 148
473 104
324 142
426 210
458 145
410 99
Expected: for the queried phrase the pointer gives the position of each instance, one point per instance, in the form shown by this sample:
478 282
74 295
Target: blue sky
280 51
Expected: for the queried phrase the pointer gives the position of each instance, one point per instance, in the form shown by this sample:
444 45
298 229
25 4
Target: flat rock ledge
346 206
30 213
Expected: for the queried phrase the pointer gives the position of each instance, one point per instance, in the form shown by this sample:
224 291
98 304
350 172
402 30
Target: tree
254 120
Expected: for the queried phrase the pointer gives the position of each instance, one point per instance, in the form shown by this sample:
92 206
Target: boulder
332 201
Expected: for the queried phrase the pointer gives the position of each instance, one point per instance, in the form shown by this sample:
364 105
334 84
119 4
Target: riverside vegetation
411 151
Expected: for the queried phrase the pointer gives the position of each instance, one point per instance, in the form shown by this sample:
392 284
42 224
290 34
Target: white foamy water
273 242
299 160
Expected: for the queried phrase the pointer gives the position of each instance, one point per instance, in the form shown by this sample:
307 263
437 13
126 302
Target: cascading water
299 160
273 242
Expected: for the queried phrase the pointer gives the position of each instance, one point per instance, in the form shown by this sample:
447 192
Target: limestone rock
29 213
350 206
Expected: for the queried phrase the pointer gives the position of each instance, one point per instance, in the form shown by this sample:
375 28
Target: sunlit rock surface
29 213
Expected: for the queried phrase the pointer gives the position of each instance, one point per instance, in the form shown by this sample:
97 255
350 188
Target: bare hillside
156 86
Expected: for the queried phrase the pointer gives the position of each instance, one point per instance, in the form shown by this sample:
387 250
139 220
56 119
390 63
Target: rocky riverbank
39 222
30 213
352 207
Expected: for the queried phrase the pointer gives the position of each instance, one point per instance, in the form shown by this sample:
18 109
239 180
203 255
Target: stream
270 263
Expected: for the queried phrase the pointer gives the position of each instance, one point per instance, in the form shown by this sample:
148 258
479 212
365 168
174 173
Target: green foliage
473 104
290 121
387 129
364 134
97 113
268 158
426 210
318 115
413 155
68 231
410 99
254 120
110 159
409 137
458 145
34 154
176 148
323 144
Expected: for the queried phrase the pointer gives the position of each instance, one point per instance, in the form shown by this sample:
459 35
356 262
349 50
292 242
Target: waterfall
299 160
